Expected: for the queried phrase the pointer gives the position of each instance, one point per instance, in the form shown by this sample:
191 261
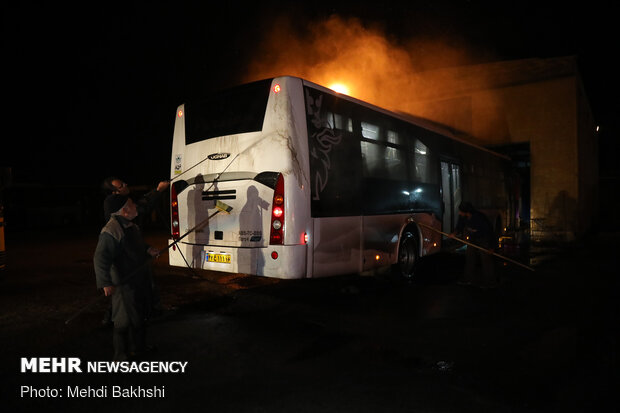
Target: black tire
407 256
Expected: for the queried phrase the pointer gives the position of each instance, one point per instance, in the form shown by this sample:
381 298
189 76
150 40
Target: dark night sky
91 90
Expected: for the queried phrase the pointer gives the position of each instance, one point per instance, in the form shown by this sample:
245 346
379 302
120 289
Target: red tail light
174 213
277 214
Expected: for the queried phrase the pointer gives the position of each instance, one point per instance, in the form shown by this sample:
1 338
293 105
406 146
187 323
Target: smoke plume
376 68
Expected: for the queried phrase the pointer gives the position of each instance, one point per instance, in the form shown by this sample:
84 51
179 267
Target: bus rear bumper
277 261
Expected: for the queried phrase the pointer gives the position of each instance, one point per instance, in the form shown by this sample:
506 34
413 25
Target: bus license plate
221 258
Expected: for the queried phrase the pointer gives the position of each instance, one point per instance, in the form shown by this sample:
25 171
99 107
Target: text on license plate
222 258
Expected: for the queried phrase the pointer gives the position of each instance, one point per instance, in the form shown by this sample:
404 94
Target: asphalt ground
543 341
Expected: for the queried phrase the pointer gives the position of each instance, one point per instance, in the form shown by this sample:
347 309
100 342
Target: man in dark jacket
145 205
474 226
121 269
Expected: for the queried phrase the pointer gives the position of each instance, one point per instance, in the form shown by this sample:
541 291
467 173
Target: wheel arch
414 229
407 257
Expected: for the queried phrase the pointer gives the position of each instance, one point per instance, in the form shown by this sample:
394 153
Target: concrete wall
544 113
554 116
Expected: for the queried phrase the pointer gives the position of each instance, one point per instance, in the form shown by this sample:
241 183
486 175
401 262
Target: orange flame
340 88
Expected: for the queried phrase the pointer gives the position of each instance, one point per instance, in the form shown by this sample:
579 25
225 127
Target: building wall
553 115
544 114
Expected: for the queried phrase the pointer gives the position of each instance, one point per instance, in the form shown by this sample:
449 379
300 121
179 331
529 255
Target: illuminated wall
540 101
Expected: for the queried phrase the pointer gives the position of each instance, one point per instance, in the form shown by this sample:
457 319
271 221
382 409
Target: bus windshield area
238 110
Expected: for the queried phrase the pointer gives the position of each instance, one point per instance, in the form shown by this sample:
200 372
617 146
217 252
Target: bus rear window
238 110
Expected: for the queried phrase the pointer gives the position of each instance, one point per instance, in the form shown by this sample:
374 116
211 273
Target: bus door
451 190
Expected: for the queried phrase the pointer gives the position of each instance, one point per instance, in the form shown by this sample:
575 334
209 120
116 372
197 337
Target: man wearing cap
475 226
144 205
121 269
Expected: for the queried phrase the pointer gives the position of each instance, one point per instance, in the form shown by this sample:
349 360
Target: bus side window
343 123
329 120
370 131
338 121
393 154
382 161
421 162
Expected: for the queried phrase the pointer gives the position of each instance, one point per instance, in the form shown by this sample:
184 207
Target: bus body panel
337 246
243 234
291 262
178 143
244 226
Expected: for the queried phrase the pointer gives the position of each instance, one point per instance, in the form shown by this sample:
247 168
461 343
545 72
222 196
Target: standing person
475 226
121 269
146 204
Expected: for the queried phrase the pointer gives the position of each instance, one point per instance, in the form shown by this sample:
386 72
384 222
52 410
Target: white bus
319 183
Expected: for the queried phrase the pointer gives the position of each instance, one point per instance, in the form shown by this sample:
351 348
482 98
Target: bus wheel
407 256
